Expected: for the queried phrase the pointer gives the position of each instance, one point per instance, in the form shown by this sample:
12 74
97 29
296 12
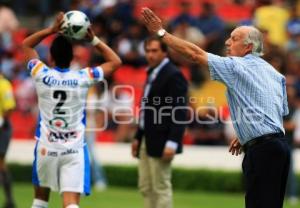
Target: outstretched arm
112 60
31 41
189 50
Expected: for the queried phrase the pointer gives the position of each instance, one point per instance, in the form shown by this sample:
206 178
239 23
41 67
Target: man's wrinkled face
235 44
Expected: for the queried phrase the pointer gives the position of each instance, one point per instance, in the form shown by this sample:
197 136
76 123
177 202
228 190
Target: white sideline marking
21 151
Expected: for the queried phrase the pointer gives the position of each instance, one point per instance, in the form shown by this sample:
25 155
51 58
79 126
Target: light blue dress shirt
256 94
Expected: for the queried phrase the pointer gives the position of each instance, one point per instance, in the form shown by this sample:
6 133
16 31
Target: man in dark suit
161 125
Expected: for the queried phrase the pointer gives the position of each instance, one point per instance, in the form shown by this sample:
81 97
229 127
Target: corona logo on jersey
51 81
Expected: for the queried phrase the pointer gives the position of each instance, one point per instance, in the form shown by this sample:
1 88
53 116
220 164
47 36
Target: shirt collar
250 55
61 69
162 63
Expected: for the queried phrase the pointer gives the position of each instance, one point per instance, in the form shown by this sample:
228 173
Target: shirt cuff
171 144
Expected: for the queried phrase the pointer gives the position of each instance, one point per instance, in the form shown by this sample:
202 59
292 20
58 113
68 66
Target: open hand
235 147
58 22
151 20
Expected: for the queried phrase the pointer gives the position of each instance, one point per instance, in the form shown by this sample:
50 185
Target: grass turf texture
116 197
182 179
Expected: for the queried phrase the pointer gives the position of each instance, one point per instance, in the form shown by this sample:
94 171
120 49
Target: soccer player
61 160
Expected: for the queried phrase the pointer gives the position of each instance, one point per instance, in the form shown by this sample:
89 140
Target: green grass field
116 197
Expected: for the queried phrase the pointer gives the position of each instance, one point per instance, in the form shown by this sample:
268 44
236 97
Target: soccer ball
75 25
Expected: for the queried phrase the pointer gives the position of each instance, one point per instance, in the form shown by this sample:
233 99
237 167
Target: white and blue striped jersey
62 95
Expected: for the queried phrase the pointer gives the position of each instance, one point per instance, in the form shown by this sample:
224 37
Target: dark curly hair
61 51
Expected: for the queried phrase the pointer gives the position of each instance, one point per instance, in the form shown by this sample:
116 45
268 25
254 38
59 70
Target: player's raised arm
31 41
112 60
189 50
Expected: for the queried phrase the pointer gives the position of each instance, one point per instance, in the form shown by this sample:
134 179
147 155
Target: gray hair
255 38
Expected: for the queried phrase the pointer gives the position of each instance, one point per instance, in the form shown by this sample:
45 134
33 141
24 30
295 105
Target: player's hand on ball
75 25
58 22
89 35
151 20
235 147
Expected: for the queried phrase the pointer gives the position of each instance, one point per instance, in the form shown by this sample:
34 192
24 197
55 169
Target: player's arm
112 60
189 50
31 41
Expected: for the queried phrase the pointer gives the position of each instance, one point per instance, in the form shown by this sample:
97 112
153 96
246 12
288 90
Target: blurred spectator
296 120
293 30
26 96
125 9
101 5
207 128
273 17
190 33
8 24
235 11
25 115
43 8
184 16
113 23
82 56
130 45
273 54
292 65
276 58
289 125
294 79
98 176
8 19
185 26
116 111
212 27
98 24
8 65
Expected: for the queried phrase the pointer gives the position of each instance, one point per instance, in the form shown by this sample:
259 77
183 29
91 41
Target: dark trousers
265 167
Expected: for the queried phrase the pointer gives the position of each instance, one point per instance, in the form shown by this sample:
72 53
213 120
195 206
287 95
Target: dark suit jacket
167 96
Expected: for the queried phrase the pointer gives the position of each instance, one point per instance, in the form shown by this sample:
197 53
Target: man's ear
249 48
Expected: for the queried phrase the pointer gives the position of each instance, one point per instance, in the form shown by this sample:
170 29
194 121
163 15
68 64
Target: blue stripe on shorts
87 174
35 179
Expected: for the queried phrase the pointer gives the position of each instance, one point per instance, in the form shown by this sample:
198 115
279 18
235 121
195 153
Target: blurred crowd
206 23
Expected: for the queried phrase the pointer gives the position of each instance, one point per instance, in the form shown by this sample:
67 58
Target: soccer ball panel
75 24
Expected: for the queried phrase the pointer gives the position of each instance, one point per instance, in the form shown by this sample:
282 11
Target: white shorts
61 170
